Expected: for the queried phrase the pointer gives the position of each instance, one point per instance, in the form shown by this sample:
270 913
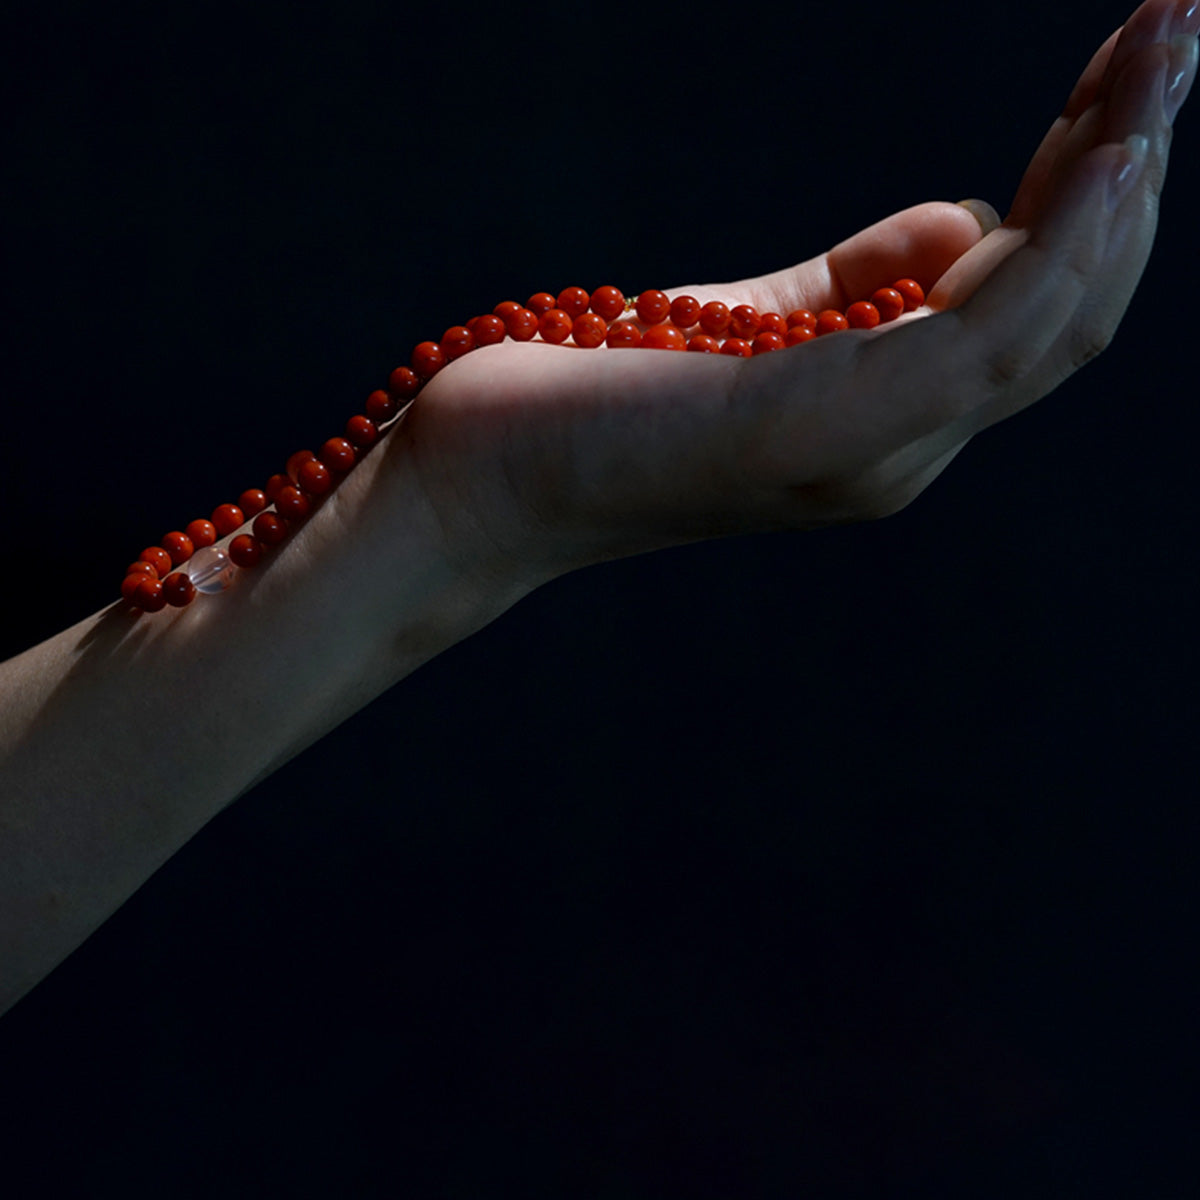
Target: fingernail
1129 171
1181 73
984 213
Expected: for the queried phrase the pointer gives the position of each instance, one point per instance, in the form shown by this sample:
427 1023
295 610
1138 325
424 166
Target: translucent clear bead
210 570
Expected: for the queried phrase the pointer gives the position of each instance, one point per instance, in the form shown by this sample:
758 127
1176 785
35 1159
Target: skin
520 462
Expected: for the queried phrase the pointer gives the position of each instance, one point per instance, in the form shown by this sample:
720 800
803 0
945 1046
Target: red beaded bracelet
151 583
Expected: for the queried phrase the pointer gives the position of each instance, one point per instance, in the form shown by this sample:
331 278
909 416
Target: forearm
124 735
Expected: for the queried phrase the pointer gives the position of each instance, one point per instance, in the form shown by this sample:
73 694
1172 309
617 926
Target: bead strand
187 561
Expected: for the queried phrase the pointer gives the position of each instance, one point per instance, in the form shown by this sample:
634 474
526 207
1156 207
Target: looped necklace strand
589 320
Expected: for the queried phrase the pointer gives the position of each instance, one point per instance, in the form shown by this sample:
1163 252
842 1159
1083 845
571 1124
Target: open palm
558 456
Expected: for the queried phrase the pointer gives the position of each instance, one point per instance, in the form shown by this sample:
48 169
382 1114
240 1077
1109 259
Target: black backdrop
849 864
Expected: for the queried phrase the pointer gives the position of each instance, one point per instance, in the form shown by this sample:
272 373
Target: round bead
210 570
802 316
913 293
541 302
738 347
337 454
315 478
404 383
664 337
428 359
608 302
573 301
715 318
555 326
799 334
270 528
623 335
505 309
767 341
158 558
522 326
889 302
457 341
704 343
245 550
489 331
141 567
772 322
744 321
276 484
178 590
292 503
653 307
589 330
227 518
131 582
179 546
685 311
381 407
831 321
862 315
252 501
148 595
361 431
203 533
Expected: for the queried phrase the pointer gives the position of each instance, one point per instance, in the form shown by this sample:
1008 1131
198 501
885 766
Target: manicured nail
1129 171
984 213
1181 73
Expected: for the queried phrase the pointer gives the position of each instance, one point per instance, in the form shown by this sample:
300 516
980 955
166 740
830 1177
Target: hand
548 457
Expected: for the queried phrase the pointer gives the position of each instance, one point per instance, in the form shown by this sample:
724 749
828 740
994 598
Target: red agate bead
337 454
608 302
270 528
664 337
653 307
382 407
522 326
227 518
889 302
573 301
457 341
428 359
772 322
555 326
314 478
714 318
179 546
623 335
704 343
540 303
404 383
738 347
766 341
744 321
245 550
292 502
489 331
178 590
913 293
361 431
148 595
252 501
589 330
295 462
685 311
862 315
799 334
802 316
831 321
158 558
276 484
202 533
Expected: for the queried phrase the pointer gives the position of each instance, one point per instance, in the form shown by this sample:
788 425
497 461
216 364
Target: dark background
849 864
